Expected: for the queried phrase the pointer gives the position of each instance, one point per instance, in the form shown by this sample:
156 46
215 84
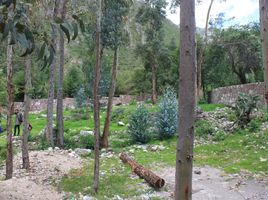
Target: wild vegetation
95 50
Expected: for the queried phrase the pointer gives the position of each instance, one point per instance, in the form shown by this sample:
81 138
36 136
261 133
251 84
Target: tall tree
60 125
187 101
201 54
52 71
151 16
264 40
97 72
27 103
113 36
10 99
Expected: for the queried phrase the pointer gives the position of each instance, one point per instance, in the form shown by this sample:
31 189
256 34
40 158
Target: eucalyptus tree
263 4
151 15
60 124
97 73
113 36
187 101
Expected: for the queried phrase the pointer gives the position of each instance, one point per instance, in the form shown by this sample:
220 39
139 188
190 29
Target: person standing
18 121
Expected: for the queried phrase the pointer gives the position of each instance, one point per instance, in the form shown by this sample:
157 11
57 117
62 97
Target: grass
210 107
244 150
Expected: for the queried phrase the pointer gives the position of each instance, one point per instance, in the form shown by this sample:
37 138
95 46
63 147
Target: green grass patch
210 107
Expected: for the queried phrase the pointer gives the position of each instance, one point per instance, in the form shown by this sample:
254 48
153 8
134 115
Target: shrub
81 98
254 125
204 129
118 114
167 118
139 124
244 106
86 142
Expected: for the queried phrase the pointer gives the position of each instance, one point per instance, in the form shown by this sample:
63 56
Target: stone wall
228 95
38 105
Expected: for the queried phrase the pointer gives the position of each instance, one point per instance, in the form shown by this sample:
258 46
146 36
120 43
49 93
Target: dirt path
47 167
213 184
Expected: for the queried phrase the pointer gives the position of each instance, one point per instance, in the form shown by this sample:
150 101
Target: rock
57 148
121 123
87 198
154 148
161 148
50 149
86 133
198 172
82 152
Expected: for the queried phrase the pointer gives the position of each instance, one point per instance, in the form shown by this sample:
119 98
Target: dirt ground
47 167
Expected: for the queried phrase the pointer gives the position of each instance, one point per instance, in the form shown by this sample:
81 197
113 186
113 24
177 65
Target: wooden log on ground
150 177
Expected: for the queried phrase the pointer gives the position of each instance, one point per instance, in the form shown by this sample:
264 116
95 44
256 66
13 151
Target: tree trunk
154 93
60 125
187 102
27 102
104 139
150 177
52 71
97 72
10 102
264 38
201 56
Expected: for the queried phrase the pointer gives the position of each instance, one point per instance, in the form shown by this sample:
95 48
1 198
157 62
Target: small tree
81 98
167 121
139 124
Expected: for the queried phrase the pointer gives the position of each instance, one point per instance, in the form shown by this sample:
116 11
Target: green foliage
139 124
73 81
204 129
254 125
81 98
118 114
86 142
244 106
167 119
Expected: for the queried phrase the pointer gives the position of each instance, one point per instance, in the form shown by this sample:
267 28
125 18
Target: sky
242 11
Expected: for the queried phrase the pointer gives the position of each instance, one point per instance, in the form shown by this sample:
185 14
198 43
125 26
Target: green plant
254 125
219 136
167 118
244 106
204 129
139 124
86 141
81 98
118 114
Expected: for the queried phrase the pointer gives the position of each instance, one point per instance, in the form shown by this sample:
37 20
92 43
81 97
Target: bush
139 124
244 106
204 129
254 125
167 118
86 142
118 114
81 98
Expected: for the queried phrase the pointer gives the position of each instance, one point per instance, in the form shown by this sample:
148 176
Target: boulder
82 152
86 133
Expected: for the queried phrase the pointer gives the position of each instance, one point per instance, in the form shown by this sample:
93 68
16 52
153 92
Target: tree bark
187 102
10 102
104 139
150 177
27 102
97 73
154 92
52 71
201 56
264 39
60 124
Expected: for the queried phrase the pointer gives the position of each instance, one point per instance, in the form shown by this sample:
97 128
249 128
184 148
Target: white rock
80 152
57 148
87 198
50 149
85 133
121 123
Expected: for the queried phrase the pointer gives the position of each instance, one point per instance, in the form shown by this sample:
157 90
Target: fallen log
150 177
